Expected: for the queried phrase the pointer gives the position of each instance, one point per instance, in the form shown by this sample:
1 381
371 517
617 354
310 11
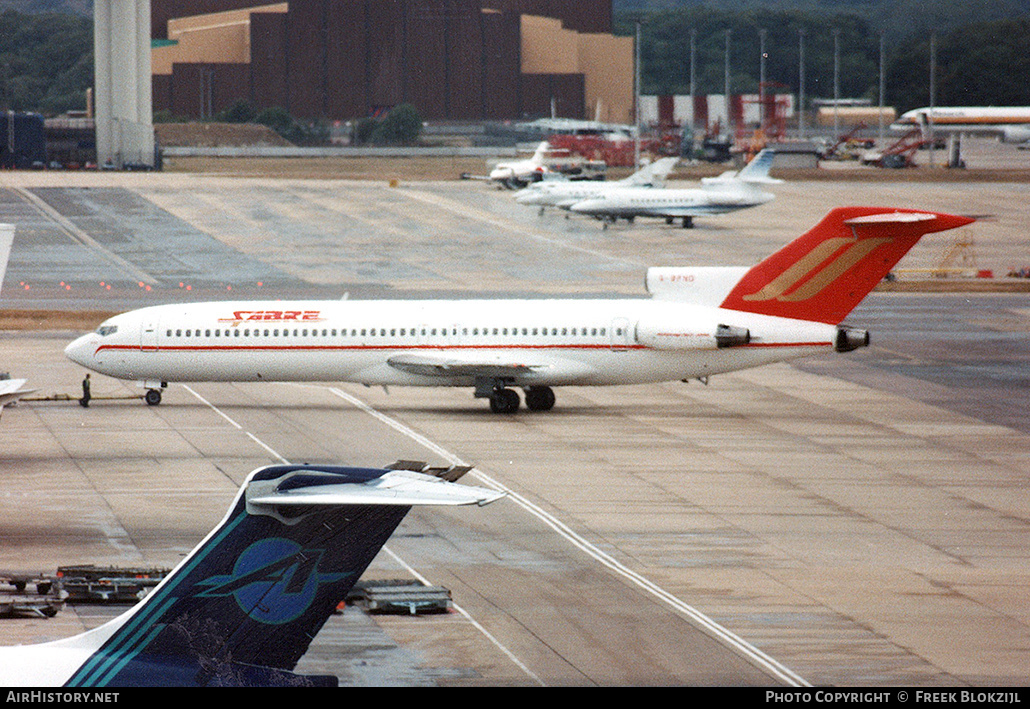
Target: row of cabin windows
394 332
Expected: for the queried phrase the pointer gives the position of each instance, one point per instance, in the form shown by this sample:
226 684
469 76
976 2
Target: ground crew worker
84 401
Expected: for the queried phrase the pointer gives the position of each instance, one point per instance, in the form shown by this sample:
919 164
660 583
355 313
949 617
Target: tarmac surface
849 520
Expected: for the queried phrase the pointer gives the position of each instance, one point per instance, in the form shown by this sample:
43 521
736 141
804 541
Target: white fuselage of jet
1010 123
562 194
673 203
439 342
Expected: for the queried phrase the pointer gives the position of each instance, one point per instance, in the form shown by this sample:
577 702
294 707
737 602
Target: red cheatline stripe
344 348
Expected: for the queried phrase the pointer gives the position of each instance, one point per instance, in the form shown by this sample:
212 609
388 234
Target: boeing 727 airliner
1009 123
699 322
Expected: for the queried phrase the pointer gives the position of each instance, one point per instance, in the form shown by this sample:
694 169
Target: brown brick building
344 59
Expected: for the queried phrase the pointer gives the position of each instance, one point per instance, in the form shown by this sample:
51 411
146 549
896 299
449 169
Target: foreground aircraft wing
6 240
11 390
449 365
243 607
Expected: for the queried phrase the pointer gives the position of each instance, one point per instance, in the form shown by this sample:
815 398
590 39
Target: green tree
46 61
665 50
276 118
240 112
401 126
981 64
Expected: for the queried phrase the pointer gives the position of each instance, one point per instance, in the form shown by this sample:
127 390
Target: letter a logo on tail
824 274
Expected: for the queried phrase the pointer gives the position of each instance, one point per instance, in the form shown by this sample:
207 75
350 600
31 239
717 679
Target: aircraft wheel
153 397
539 398
504 401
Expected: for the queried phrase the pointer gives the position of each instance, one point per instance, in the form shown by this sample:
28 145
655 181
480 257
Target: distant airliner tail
540 154
243 607
822 275
755 172
758 169
653 173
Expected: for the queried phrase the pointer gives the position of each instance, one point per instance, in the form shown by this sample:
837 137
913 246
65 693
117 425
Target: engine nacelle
850 338
1015 134
671 333
729 336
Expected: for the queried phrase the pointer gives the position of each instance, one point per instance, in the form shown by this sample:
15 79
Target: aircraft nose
80 350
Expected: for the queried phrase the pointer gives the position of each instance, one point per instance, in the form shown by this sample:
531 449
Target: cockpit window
105 330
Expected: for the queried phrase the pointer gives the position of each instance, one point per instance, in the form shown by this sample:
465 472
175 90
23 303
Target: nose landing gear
153 395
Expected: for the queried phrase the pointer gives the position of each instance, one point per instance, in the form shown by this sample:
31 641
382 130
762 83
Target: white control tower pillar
122 96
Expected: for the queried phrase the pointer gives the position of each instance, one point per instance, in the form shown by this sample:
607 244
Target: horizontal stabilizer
396 487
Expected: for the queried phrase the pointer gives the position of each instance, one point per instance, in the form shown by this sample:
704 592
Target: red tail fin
822 275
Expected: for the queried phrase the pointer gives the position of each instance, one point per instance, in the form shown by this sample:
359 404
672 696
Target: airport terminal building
457 60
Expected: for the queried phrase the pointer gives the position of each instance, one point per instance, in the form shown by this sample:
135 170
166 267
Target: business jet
519 173
242 608
728 192
1010 123
563 194
699 321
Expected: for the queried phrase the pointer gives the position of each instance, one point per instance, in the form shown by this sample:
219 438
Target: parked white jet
243 607
519 173
698 322
564 193
728 192
1010 123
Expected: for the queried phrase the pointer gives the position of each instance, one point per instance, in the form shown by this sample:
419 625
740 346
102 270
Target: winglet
822 275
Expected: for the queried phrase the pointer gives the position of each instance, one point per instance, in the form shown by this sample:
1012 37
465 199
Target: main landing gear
506 401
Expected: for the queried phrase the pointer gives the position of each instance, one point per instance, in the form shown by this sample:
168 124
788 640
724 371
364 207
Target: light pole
729 113
801 83
836 83
761 78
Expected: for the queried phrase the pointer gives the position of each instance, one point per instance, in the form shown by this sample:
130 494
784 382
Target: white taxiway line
729 639
508 653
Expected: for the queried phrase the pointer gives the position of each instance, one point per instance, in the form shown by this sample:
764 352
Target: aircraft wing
449 365
11 391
